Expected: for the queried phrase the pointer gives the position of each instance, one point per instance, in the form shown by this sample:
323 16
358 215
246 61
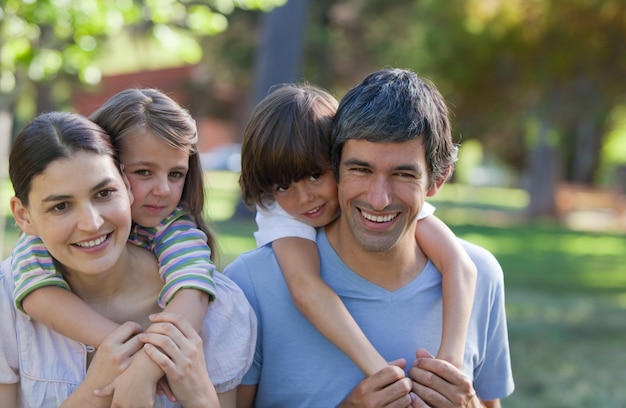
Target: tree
47 45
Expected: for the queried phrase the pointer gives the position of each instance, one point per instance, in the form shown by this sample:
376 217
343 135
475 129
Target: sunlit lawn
566 291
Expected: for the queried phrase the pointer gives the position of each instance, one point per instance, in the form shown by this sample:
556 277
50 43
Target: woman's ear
22 216
131 197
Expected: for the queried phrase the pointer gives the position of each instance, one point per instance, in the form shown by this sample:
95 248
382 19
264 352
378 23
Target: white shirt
49 366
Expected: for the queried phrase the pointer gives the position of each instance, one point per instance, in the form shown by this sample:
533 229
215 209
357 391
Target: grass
565 289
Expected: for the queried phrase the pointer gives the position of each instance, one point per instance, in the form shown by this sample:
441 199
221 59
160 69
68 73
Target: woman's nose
90 218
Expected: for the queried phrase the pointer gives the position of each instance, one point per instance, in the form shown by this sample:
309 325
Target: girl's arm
299 261
67 314
42 293
458 284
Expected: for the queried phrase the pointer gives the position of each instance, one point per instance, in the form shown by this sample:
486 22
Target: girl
157 143
287 174
85 226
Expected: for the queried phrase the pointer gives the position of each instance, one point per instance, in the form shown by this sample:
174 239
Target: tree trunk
543 175
278 58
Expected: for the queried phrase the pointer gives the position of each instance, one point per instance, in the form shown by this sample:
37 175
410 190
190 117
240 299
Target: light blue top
295 366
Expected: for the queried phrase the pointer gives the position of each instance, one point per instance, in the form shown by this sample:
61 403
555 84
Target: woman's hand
110 360
173 344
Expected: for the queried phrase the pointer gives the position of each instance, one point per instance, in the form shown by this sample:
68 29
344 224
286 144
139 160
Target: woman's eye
143 172
315 176
177 174
60 207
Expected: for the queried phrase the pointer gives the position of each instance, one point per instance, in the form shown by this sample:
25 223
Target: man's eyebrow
356 162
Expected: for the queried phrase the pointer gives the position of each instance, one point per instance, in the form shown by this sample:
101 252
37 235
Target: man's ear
438 184
22 216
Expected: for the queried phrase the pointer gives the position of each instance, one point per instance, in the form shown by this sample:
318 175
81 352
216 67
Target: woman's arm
458 284
300 265
8 395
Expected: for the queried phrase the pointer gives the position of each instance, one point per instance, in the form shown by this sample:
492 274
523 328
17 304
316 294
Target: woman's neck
128 291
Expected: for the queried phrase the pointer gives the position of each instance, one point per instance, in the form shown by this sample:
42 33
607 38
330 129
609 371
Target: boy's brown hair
286 139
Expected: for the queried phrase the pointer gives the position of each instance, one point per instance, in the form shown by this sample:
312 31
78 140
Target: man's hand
387 388
439 384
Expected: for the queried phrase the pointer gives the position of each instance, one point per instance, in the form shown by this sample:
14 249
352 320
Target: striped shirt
179 245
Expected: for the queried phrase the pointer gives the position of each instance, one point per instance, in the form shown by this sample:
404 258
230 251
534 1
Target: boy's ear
22 216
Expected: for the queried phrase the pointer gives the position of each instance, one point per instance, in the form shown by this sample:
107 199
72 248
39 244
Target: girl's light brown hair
150 110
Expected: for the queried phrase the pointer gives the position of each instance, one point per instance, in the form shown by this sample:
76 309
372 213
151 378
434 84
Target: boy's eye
282 187
315 176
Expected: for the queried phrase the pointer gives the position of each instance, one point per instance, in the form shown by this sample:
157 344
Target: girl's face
312 201
80 208
156 172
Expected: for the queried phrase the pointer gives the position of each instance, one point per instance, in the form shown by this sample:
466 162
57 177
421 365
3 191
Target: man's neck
391 269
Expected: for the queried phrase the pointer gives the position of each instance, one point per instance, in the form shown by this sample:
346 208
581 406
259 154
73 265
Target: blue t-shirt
295 366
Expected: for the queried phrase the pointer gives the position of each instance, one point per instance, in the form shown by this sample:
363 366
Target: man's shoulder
252 260
487 265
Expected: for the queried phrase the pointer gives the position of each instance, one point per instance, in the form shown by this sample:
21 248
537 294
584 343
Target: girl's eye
177 174
142 172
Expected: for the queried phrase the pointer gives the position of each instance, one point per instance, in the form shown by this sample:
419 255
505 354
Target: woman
70 192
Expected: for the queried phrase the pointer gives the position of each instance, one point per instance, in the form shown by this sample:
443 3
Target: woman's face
80 208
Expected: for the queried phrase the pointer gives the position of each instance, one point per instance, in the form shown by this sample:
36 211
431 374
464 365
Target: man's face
382 187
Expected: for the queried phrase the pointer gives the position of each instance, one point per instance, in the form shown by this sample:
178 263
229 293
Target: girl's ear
22 216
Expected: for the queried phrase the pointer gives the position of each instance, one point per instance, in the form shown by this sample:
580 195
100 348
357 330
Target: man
392 147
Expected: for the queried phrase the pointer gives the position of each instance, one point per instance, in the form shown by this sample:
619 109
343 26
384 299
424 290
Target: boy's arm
67 314
458 284
299 262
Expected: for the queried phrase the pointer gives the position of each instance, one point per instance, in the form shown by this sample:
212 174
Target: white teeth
379 218
92 243
313 211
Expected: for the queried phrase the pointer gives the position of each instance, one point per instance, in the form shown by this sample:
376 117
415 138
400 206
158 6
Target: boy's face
312 200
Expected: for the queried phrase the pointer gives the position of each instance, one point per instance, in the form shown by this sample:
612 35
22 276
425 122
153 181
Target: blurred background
537 90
